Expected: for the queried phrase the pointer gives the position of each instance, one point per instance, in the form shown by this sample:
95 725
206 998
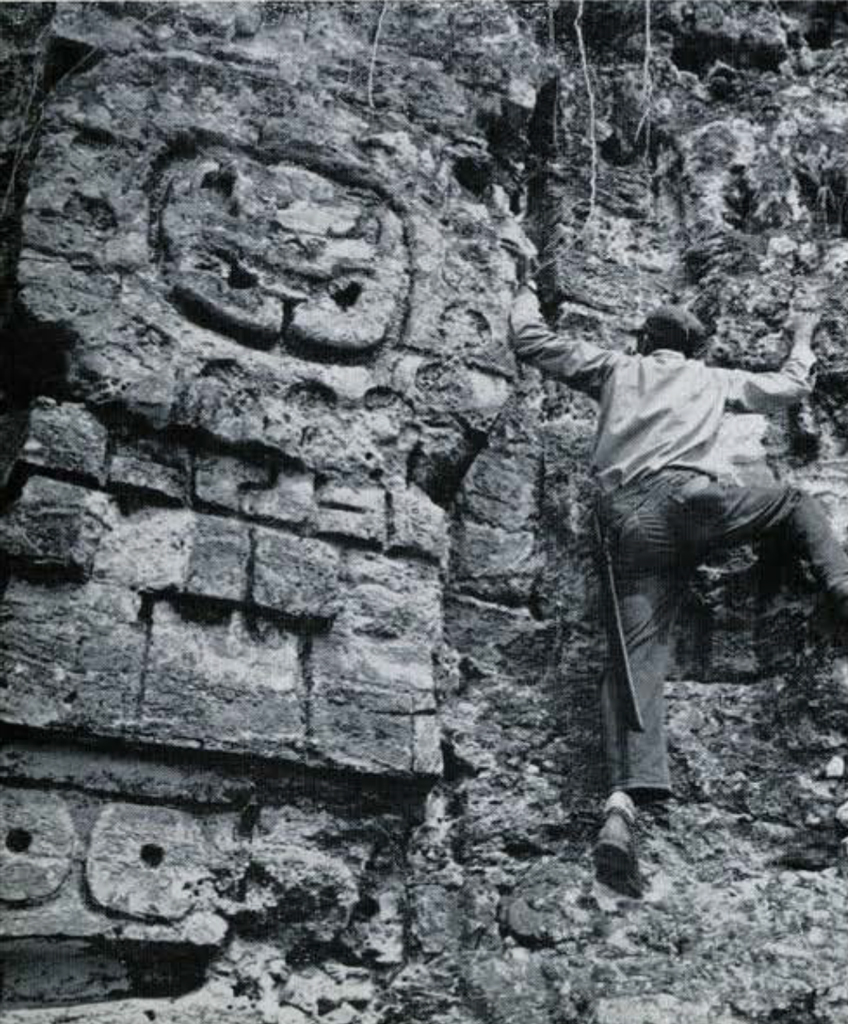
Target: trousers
659 529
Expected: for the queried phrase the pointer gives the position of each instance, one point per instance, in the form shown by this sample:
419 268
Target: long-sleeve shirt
657 411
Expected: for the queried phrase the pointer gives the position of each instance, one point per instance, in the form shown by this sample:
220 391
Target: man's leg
638 761
812 535
721 515
650 578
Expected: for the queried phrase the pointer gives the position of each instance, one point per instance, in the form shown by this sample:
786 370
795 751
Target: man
661 510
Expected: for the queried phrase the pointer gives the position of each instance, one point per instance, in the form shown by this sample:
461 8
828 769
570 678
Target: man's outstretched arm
579 363
760 392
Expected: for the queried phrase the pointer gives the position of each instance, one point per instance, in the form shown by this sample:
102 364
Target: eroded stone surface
269 327
221 683
147 862
359 513
65 437
295 577
298 888
148 550
418 524
217 567
55 526
71 657
150 467
203 1009
38 842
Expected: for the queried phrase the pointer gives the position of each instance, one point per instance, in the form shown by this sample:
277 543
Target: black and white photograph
424 512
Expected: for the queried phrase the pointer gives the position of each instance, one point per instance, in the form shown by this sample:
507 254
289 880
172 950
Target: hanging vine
373 65
593 129
647 82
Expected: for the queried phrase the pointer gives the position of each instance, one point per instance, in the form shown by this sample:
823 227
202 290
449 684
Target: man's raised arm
579 363
760 392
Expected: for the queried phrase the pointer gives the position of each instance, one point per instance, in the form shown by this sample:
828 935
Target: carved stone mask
272 255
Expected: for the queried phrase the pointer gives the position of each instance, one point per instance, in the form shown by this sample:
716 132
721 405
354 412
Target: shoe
616 861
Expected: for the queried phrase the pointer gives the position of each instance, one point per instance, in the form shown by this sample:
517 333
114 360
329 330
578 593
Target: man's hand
802 321
802 324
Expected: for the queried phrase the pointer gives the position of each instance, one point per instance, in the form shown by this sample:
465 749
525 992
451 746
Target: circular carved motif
36 845
146 861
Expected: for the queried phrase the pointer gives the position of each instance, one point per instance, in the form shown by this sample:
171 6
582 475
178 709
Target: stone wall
298 634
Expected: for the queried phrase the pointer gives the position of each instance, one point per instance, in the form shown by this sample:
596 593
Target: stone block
221 685
221 480
55 526
289 500
427 745
393 598
65 438
496 564
506 988
160 778
217 567
383 675
38 848
419 525
535 912
256 491
501 486
147 862
436 920
359 513
197 1008
152 468
65 913
148 550
78 921
294 576
351 736
76 974
177 551
71 657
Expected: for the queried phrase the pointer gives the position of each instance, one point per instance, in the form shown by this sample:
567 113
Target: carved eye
347 296
221 181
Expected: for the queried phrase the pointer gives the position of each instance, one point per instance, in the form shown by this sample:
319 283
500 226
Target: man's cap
674 327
